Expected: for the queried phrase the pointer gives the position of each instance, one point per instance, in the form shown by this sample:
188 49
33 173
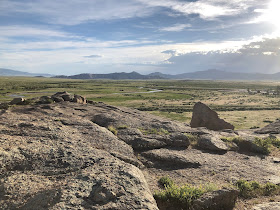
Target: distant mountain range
115 76
9 72
211 74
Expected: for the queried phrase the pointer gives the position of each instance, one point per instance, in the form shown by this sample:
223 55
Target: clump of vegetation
267 144
4 106
113 130
156 131
254 127
165 181
232 142
264 145
121 127
192 138
254 189
181 196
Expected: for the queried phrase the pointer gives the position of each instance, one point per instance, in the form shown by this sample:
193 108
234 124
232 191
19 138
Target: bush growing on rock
180 197
259 145
254 189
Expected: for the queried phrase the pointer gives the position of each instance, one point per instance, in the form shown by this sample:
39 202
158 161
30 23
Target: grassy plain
172 99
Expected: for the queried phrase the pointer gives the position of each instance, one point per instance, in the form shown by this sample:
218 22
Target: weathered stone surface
62 156
267 206
139 141
221 199
203 116
16 101
46 163
108 184
273 128
164 158
212 142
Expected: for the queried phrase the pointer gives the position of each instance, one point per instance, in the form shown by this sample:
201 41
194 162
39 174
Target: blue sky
169 36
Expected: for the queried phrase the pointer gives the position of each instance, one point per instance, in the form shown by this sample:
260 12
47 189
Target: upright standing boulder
203 116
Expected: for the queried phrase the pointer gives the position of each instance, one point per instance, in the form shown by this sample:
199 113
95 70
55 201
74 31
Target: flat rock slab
164 158
221 199
215 167
267 206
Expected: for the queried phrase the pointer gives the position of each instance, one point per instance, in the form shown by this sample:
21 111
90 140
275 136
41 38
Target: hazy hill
214 74
211 74
10 72
115 76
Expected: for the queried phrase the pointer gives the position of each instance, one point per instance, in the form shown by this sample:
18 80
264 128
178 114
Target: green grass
174 102
254 189
155 131
180 196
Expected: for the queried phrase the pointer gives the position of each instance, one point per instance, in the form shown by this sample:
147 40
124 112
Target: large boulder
273 128
212 142
203 116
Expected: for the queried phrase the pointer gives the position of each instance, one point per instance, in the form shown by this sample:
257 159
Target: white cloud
261 56
31 31
71 12
206 9
176 27
39 56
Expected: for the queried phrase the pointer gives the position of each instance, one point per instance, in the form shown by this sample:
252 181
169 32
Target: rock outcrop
203 116
272 128
62 153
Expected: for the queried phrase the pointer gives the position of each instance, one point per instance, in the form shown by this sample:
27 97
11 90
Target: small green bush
264 144
165 181
183 196
254 189
113 130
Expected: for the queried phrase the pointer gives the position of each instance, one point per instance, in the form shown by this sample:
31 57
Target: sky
168 36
